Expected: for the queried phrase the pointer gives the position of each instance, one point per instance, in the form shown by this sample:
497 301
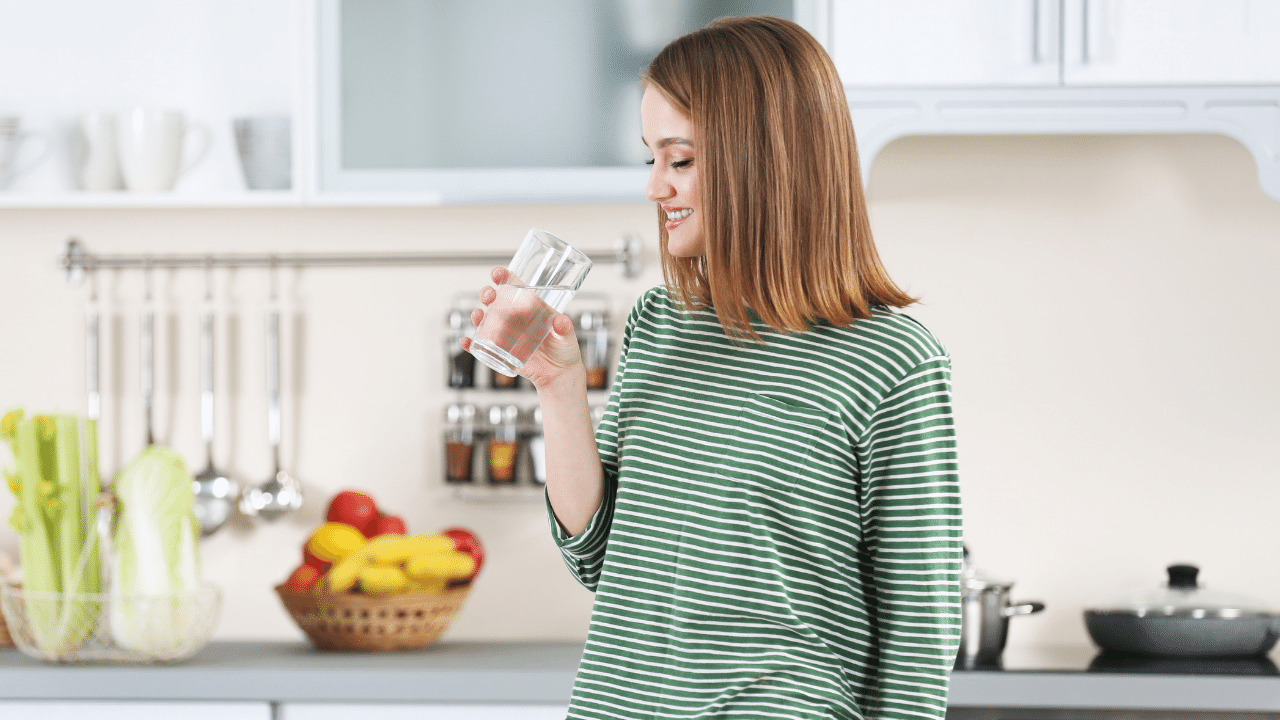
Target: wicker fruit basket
378 623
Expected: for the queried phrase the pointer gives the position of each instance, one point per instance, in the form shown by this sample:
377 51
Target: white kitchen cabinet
214 60
119 710
1000 43
345 711
910 43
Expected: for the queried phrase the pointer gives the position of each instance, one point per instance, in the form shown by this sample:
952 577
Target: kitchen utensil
985 611
1182 619
216 492
281 493
546 272
266 152
92 334
147 362
151 148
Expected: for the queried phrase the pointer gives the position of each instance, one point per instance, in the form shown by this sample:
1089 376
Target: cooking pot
985 611
1182 619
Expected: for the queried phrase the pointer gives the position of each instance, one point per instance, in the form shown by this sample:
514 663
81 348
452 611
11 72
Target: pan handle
1023 609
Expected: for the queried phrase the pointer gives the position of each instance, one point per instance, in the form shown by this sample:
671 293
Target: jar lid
592 320
1183 596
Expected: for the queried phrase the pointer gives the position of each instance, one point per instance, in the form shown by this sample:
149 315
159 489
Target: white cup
151 148
101 167
12 140
265 151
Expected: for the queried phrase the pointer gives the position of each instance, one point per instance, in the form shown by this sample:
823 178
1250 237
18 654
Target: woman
769 513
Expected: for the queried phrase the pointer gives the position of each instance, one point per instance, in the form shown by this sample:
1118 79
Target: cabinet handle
1084 32
1035 32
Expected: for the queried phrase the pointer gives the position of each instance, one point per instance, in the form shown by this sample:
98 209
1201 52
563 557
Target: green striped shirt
780 536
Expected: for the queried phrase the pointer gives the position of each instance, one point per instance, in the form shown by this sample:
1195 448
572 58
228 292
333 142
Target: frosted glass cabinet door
1171 42
920 43
135 710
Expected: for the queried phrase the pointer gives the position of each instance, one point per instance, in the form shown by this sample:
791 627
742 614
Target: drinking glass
546 272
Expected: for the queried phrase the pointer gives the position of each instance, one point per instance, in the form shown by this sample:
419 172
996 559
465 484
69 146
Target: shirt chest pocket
774 443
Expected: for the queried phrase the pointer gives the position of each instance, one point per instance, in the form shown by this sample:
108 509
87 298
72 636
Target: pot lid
1183 596
975 579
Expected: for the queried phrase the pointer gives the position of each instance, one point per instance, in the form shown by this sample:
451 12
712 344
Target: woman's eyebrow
669 141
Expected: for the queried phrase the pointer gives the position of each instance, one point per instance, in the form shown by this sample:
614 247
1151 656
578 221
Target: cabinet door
1171 42
919 43
135 710
345 711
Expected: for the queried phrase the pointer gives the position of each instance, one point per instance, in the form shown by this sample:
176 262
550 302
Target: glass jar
593 339
459 443
537 450
462 364
503 444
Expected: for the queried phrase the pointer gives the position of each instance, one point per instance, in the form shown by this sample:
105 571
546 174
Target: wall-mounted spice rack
492 433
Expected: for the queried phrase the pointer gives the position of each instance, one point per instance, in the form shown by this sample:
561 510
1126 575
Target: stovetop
1082 659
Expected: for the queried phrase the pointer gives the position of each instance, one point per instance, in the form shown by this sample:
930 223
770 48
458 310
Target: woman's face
673 182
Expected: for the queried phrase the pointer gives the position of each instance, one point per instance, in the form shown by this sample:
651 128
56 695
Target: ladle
147 335
216 492
281 493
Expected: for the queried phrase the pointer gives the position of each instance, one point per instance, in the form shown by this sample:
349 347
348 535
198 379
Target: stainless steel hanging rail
74 260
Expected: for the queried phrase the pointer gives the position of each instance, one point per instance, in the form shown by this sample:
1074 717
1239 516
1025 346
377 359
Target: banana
401 549
440 565
382 579
343 575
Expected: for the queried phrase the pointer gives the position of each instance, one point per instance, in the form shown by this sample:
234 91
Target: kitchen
1122 427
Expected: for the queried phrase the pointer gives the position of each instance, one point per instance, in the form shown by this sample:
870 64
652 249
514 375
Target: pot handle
1023 609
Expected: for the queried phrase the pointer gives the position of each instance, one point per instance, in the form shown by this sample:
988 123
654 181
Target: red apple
311 559
303 579
465 541
384 524
354 508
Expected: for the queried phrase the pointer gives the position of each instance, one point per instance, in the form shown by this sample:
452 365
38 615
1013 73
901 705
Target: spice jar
459 442
462 364
503 444
593 339
537 450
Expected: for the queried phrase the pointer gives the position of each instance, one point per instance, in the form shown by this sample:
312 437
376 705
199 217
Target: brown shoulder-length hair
783 211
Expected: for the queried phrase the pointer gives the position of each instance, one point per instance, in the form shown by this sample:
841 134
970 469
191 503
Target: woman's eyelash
649 161
681 163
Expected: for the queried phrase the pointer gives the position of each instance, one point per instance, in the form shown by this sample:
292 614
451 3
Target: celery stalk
36 548
49 480
77 541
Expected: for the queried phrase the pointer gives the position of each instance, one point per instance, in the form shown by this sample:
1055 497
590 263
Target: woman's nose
656 188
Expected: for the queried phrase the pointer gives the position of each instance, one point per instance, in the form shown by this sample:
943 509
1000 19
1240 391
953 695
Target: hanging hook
208 278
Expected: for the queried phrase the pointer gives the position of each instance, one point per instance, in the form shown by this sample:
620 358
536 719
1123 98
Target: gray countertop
542 672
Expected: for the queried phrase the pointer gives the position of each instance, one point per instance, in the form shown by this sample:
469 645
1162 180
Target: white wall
1108 303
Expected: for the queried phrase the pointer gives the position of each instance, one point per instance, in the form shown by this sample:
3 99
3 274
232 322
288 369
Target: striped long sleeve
780 532
911 531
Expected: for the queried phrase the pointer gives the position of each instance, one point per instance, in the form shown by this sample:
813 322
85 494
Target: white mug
11 141
265 151
101 167
151 148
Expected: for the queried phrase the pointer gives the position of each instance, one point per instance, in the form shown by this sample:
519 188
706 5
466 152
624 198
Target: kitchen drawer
344 711
12 710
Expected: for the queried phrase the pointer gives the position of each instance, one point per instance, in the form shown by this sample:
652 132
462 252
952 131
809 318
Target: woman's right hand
558 357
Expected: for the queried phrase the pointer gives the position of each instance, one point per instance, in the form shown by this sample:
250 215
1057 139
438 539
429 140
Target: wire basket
99 627
5 639
351 621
